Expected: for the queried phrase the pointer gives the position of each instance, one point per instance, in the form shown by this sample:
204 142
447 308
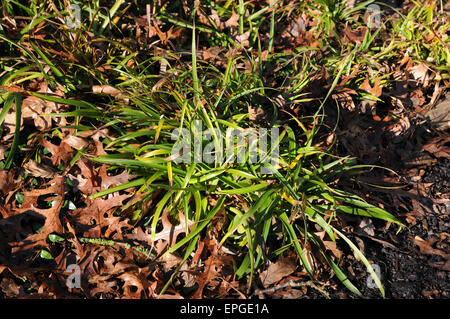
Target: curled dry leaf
112 180
297 27
33 110
332 246
366 226
135 285
3 149
108 90
107 269
93 179
215 18
438 148
75 142
256 113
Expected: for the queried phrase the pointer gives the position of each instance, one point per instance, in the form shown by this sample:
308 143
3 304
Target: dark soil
406 272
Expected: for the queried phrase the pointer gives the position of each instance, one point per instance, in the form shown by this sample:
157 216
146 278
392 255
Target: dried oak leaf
168 234
109 269
52 221
211 270
97 216
215 18
233 21
375 90
61 153
242 39
93 179
135 285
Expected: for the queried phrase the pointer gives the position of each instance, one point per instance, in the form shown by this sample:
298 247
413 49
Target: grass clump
223 65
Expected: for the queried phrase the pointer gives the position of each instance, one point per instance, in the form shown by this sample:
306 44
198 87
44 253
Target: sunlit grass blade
15 143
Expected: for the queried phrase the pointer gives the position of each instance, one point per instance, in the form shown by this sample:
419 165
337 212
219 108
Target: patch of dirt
415 262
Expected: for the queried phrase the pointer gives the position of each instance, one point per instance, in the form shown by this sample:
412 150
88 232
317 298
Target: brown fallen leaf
233 21
108 90
297 27
354 35
366 226
40 170
108 181
256 114
11 289
135 284
52 222
437 151
370 102
345 100
427 249
61 153
375 90
215 18
400 127
168 234
211 270
33 110
277 271
6 181
96 219
439 116
420 73
170 261
332 246
3 149
242 39
73 141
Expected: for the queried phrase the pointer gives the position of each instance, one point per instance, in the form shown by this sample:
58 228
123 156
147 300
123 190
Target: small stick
290 283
